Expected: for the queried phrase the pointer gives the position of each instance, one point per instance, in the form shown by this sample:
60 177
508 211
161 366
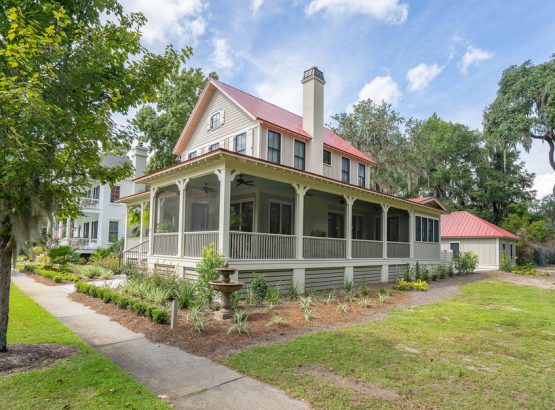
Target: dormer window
192 154
214 146
327 157
216 120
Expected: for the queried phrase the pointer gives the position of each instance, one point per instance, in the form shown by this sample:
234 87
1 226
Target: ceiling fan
242 181
207 188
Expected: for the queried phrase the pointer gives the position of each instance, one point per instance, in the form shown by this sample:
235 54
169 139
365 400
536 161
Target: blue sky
421 56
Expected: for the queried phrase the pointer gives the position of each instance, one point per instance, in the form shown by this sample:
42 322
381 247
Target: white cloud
390 11
420 76
169 19
473 56
255 6
221 57
381 88
543 184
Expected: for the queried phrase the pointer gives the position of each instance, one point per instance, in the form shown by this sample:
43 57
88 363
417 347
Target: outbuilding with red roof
462 231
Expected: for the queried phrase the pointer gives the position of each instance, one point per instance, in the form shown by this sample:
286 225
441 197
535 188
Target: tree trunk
6 248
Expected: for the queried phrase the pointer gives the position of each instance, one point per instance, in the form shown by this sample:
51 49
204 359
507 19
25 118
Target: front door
335 225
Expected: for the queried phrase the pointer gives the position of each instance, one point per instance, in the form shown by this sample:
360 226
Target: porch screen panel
418 229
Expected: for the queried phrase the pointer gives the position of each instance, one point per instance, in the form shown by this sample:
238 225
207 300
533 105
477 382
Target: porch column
125 228
68 227
153 193
349 201
300 191
412 233
141 224
225 176
385 208
182 186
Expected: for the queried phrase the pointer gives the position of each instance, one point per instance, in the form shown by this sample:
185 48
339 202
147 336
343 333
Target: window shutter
222 118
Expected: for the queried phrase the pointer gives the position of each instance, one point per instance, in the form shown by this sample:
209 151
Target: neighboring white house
102 221
463 232
279 194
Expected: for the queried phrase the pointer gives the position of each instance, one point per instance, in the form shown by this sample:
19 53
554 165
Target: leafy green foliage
465 262
276 320
260 288
342 308
206 268
198 317
160 125
528 269
506 264
62 255
240 326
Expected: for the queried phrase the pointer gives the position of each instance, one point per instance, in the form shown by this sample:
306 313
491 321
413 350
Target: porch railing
398 249
80 243
135 255
324 248
90 202
165 244
194 242
131 242
367 248
254 245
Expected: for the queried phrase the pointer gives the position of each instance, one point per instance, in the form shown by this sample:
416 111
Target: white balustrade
367 248
89 202
194 242
324 248
255 245
398 249
165 244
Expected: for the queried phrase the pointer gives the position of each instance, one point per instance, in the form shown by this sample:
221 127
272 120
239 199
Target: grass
84 381
491 347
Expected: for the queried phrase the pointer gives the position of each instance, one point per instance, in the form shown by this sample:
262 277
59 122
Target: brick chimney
139 155
313 117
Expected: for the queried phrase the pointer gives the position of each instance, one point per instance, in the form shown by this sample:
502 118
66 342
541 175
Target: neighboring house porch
269 217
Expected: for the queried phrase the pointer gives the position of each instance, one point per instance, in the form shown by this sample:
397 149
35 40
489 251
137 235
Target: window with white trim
327 157
426 229
361 175
300 149
345 170
280 218
274 146
215 121
240 143
214 146
357 227
192 155
113 231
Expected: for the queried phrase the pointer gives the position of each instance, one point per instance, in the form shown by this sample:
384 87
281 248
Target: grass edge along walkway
491 347
85 381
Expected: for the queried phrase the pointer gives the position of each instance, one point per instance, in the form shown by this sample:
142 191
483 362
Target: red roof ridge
258 98
451 226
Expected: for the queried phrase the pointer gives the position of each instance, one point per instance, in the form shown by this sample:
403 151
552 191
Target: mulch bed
22 358
46 281
215 343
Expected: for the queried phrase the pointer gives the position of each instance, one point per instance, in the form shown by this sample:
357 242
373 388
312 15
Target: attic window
215 121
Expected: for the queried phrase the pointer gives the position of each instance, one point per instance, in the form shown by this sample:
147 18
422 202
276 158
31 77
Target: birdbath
226 287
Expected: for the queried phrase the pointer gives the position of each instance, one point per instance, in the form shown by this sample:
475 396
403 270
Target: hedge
154 313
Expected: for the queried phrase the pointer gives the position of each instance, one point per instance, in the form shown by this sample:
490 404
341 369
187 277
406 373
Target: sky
423 57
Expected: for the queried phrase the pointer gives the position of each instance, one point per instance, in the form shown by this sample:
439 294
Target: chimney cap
313 72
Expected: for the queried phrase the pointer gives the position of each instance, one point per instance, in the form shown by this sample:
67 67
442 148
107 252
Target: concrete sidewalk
188 381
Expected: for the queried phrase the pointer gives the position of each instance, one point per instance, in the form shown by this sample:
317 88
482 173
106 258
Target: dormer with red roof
226 117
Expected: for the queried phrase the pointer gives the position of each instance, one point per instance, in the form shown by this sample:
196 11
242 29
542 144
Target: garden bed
215 342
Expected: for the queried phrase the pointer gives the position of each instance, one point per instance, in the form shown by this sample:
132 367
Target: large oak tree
64 71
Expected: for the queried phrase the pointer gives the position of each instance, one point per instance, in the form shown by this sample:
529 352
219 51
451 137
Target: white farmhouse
279 194
102 221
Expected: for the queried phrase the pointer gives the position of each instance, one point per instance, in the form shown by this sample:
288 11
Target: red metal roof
463 224
421 199
272 114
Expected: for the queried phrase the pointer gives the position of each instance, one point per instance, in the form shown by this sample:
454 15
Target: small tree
211 259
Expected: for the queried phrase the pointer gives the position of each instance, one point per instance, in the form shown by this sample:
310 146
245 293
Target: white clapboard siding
367 274
281 279
322 279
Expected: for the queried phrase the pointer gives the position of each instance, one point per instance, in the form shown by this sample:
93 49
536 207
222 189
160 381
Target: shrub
273 296
441 271
240 326
159 315
29 268
506 263
44 260
434 276
402 285
364 302
348 287
62 255
364 289
260 288
450 270
425 276
206 269
330 298
57 278
250 298
419 285
528 269
276 320
198 317
235 297
382 297
123 301
343 308
185 294
465 262
139 307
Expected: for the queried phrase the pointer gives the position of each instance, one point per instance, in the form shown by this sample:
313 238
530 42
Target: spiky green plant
240 326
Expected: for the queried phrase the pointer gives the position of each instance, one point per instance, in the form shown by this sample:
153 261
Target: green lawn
491 347
84 381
